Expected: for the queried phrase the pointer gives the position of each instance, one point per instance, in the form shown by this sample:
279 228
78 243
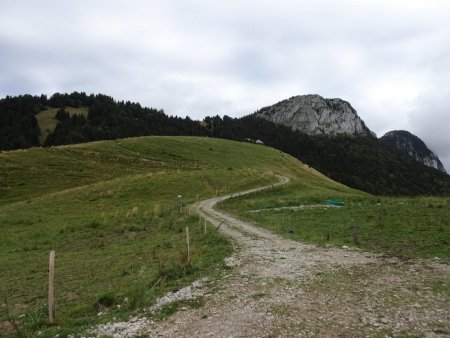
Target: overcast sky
389 59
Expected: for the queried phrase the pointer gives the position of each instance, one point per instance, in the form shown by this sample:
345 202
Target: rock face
314 115
413 146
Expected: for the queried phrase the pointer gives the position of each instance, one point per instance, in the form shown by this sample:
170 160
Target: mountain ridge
314 115
359 161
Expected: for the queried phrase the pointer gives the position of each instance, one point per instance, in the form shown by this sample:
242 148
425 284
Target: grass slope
47 122
405 227
109 210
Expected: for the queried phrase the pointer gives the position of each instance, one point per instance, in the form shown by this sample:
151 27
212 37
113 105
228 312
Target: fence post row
51 277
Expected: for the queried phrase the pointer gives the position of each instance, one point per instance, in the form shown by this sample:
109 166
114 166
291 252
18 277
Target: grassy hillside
47 122
110 211
363 163
405 227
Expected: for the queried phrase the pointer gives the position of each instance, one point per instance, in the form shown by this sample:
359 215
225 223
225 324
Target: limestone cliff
314 115
413 146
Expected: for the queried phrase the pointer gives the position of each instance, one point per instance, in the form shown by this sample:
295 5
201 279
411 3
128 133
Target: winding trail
279 287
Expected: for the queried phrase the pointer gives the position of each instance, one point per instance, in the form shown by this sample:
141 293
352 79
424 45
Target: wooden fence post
187 243
179 204
51 299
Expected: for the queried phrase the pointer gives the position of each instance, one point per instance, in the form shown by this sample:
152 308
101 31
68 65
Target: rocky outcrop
314 115
413 146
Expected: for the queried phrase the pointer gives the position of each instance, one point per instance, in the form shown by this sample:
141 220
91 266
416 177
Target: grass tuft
106 300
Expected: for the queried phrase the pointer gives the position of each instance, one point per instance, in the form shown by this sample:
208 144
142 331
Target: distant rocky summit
413 146
314 115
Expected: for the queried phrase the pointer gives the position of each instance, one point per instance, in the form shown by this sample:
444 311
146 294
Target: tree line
364 163
109 120
18 125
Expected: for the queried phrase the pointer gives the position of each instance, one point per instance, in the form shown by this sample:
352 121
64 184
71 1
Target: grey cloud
430 120
233 57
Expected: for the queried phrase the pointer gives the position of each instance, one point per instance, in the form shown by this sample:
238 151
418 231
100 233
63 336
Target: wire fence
81 277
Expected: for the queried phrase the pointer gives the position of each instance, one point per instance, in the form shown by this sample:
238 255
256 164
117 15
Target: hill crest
356 160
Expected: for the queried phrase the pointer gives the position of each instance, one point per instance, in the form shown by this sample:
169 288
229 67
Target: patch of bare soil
281 288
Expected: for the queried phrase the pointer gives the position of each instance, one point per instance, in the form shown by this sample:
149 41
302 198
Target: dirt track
278 287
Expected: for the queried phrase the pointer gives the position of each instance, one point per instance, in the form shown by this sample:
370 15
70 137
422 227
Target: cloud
430 119
207 57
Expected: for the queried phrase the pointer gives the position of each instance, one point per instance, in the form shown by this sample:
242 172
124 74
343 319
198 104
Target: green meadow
111 212
405 227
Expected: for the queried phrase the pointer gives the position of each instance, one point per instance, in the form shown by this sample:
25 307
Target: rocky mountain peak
314 115
413 146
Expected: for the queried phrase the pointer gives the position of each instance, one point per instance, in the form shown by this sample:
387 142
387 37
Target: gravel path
278 287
